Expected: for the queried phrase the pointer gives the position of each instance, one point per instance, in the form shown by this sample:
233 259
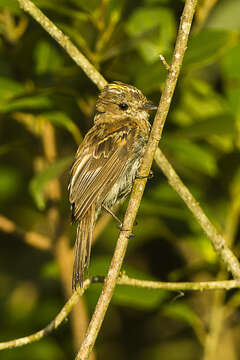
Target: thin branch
179 286
64 41
29 237
50 327
163 60
122 280
218 241
139 185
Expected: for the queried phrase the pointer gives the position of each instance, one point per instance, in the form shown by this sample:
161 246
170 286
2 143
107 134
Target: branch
64 41
53 324
218 241
139 185
31 238
178 286
122 280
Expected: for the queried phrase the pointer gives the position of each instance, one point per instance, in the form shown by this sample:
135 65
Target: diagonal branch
218 241
64 41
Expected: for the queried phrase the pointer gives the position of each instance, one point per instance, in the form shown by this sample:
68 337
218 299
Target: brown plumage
106 162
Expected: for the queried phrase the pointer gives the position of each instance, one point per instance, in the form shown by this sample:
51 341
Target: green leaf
9 88
145 19
62 119
192 155
10 181
207 46
47 58
231 73
11 5
183 312
230 63
216 125
38 183
225 15
199 101
31 102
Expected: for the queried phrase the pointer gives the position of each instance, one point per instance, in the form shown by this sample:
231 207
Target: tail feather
82 247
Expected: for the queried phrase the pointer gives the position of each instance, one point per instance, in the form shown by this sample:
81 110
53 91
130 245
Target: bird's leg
113 215
150 176
120 226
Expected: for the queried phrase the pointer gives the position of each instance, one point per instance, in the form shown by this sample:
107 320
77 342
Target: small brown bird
106 163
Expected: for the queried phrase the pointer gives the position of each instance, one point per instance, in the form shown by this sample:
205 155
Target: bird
106 163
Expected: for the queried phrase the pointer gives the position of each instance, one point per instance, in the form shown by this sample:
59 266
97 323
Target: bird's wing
99 163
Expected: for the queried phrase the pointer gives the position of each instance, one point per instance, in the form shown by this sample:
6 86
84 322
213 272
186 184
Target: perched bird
106 163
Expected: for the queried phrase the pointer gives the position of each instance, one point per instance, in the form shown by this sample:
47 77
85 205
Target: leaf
192 155
230 66
62 119
199 101
230 63
225 15
144 19
10 181
9 88
11 5
215 125
47 58
30 102
183 312
39 182
206 47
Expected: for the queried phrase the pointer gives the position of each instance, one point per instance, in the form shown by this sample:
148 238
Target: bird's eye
123 106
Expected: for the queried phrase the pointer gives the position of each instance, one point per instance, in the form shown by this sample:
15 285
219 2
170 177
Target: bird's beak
148 106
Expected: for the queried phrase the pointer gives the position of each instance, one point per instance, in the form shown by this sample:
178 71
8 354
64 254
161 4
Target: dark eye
123 106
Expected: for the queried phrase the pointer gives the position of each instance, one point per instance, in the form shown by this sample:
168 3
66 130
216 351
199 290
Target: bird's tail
82 247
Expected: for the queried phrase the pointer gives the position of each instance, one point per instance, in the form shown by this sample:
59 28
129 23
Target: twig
163 60
139 185
64 41
122 280
50 327
31 238
178 286
218 241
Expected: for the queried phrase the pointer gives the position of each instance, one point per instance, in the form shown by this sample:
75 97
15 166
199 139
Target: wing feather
98 166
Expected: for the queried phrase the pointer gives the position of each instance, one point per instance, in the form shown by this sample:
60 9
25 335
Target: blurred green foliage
40 84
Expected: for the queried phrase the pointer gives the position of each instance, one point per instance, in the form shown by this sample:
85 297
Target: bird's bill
148 106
